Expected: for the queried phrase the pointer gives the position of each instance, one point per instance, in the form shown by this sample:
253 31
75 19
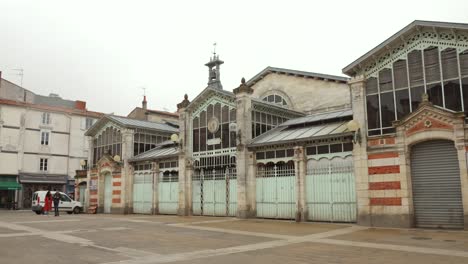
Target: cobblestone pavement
139 239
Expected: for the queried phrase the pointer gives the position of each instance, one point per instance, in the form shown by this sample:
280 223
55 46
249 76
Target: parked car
66 203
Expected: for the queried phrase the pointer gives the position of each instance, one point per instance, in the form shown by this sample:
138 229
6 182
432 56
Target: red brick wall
383 155
391 201
391 185
384 169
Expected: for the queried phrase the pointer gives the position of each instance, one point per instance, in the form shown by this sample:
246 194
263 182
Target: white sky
103 52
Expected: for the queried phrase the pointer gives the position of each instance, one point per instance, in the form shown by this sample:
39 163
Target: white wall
306 94
69 143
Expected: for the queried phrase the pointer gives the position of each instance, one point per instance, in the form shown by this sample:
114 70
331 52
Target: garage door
142 192
214 192
330 189
276 190
168 191
435 177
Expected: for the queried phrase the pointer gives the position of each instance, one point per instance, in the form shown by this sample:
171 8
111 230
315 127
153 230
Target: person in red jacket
47 203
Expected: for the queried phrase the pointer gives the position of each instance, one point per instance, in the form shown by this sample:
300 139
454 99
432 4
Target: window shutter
385 80
431 65
464 63
371 85
400 74
415 68
449 64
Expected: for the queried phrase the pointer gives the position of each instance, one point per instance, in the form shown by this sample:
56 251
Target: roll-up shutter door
435 176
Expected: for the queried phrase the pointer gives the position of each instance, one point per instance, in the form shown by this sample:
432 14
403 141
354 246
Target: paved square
139 239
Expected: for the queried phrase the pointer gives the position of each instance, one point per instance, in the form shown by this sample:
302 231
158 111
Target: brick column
358 100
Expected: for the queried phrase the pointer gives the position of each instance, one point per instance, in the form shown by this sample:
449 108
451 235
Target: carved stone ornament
213 125
243 88
184 103
427 123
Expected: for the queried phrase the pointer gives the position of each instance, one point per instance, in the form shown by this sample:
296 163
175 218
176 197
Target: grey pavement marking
413 249
237 249
204 222
19 234
47 221
237 232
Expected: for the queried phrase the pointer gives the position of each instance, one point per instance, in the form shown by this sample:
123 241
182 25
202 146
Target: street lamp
354 126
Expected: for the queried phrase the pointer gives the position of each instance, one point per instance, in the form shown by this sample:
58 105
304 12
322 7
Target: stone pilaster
185 164
88 172
300 165
358 100
155 172
245 172
126 172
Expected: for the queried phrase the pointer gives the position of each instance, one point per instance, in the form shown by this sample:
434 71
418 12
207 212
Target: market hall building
384 148
412 172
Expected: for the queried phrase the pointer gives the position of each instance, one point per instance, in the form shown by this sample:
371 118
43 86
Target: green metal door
330 189
82 194
214 192
168 192
107 193
276 190
142 192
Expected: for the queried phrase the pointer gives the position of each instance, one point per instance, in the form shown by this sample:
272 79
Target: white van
66 203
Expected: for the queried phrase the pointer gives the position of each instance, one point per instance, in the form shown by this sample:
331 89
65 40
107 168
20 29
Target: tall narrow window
43 164
373 116
400 76
45 118
387 104
89 122
45 138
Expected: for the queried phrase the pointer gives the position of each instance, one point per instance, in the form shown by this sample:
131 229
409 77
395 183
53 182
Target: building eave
350 70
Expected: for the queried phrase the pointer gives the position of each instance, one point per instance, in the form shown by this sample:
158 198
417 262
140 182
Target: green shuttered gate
168 191
214 192
275 190
330 189
143 192
107 193
435 177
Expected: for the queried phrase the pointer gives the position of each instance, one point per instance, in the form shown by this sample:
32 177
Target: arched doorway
436 186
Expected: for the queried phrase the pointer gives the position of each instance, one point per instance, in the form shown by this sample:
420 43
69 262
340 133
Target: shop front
32 182
8 192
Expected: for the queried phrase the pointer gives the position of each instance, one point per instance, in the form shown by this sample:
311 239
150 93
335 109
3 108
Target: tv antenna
20 73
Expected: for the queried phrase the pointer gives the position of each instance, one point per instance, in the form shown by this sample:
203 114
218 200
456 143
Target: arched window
276 99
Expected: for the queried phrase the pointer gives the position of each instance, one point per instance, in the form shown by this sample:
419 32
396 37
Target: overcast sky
103 52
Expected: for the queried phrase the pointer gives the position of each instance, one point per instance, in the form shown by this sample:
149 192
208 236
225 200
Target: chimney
81 105
144 104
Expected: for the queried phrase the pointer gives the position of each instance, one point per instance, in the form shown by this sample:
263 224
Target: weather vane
144 91
214 48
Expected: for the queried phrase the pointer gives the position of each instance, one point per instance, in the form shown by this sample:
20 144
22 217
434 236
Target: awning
8 182
10 186
43 178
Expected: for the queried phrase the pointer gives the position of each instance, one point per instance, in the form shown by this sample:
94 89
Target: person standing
47 203
56 198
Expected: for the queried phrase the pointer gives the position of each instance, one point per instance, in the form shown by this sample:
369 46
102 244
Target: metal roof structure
318 117
157 153
307 128
350 70
269 70
130 123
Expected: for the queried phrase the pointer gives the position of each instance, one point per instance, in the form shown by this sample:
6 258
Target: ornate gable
211 96
428 118
107 163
